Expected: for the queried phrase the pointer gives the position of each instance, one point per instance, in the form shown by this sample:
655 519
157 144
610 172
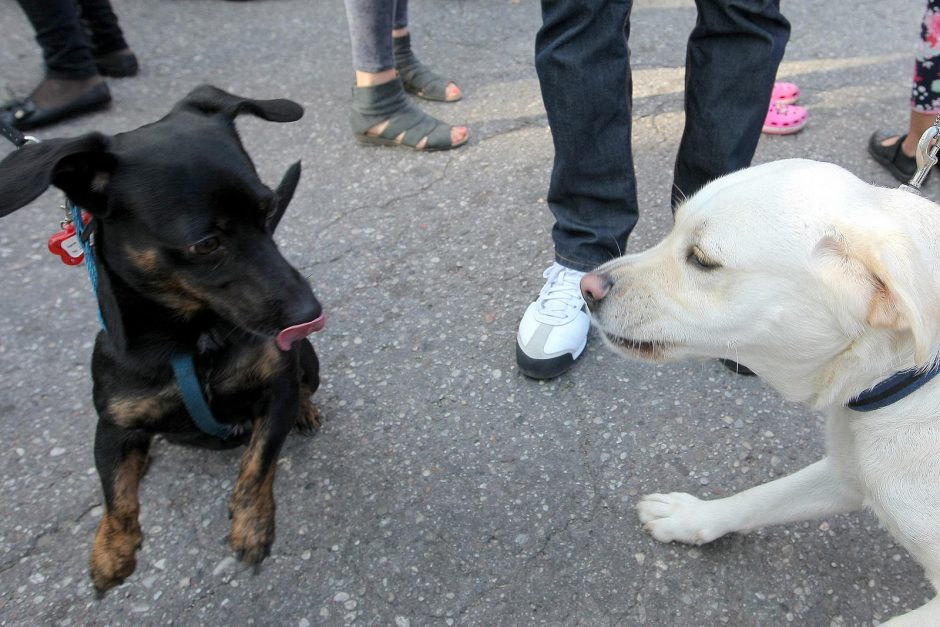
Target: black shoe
735 367
117 64
26 115
892 157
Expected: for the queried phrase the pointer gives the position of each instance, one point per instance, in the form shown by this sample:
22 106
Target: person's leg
417 77
65 49
732 59
370 22
102 26
72 84
583 65
381 112
925 103
112 55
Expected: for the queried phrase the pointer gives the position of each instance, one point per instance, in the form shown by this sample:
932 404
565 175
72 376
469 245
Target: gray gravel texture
443 487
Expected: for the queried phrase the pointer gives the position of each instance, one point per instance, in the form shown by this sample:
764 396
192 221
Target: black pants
71 32
583 63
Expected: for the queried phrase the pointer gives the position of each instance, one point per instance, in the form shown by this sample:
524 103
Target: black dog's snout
303 310
594 287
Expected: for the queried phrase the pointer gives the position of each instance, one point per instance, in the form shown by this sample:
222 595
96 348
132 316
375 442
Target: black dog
182 239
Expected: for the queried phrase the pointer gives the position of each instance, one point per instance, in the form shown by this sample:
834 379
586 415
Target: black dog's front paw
112 557
252 533
308 417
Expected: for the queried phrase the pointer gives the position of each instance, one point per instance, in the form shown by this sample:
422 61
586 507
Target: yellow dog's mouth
644 349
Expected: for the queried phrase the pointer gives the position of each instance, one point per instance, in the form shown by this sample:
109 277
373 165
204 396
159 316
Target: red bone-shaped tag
65 244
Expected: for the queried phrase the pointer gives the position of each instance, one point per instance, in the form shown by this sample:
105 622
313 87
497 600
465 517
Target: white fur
826 285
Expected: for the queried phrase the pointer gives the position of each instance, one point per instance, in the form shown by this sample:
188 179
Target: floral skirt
925 89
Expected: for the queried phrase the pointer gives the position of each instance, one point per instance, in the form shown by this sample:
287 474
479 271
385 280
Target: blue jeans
583 62
370 31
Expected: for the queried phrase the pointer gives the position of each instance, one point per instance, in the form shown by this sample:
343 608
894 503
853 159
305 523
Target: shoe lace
560 297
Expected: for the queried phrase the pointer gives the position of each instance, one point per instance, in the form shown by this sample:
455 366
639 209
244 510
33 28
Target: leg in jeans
101 26
370 31
72 84
401 14
731 62
65 49
583 64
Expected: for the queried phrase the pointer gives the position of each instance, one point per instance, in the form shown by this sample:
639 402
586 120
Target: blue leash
184 367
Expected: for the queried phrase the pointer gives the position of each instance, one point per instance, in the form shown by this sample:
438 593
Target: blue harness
184 368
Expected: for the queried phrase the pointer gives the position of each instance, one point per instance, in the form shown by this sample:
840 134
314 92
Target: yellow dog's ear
890 280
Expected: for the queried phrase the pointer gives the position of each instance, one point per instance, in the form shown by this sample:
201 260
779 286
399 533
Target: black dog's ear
283 195
209 99
78 166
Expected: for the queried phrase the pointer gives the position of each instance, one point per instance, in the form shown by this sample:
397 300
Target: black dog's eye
205 246
697 258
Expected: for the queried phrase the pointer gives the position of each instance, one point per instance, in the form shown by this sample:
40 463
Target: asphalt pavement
444 487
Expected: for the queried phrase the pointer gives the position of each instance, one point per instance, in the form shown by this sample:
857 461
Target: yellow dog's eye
697 258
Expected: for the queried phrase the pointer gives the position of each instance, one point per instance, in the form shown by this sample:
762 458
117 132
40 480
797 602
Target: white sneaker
553 332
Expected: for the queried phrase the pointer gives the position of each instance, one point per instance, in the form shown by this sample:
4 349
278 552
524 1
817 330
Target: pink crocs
783 119
785 93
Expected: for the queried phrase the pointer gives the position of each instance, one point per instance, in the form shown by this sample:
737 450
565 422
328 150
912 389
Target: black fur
186 262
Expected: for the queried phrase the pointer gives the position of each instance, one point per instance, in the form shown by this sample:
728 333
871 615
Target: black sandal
376 104
892 157
417 78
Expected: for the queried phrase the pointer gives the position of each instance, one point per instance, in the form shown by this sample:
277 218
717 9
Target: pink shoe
784 119
785 93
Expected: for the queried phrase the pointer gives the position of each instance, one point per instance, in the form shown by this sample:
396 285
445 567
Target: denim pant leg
65 49
370 32
101 26
401 14
583 65
731 62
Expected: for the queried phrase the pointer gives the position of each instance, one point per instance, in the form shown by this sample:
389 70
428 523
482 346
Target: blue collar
893 389
183 367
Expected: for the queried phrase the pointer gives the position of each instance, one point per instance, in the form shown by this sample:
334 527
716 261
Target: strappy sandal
417 77
387 102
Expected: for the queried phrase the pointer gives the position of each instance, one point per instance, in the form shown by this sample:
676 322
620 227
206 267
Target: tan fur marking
119 536
146 260
882 309
176 294
269 363
261 363
133 412
308 416
252 505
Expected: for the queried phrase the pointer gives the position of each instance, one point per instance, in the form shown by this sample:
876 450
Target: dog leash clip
926 157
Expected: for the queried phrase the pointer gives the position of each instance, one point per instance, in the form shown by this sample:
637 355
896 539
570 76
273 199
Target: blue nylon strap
76 213
893 389
185 371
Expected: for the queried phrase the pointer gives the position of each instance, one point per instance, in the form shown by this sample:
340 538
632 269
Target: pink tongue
298 332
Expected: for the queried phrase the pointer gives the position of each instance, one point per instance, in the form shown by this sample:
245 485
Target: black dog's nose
594 288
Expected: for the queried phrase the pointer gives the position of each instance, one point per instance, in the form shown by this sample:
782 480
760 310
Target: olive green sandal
373 105
417 77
